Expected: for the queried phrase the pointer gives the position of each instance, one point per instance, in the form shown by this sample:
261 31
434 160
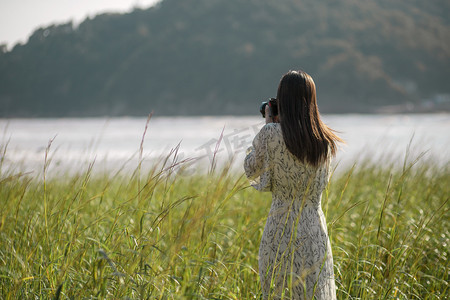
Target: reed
163 233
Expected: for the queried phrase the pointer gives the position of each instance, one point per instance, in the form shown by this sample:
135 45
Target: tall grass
161 234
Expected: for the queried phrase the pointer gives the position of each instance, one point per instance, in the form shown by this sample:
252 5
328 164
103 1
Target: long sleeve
257 163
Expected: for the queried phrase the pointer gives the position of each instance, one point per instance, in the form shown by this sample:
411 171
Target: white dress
295 259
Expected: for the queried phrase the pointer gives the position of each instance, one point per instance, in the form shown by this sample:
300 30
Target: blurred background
89 72
221 57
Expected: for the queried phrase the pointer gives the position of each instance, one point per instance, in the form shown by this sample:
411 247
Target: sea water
72 144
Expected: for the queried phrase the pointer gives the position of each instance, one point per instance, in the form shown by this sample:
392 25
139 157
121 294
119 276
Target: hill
197 57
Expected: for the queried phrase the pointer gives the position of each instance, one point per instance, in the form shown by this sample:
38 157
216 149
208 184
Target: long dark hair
304 133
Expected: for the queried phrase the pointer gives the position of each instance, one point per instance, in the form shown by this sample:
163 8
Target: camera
273 108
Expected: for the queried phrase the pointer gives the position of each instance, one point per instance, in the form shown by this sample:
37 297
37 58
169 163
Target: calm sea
116 142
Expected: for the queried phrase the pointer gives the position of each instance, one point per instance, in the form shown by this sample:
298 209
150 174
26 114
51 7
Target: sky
19 18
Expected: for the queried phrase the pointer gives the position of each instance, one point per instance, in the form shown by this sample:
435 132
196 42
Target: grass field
160 234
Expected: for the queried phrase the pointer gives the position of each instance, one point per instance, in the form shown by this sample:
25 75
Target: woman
291 158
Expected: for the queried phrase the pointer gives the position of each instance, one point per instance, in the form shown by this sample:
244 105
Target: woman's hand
269 119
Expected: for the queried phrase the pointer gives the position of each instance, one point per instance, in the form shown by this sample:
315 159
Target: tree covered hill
196 57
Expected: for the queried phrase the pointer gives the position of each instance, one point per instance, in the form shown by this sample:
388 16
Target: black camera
273 108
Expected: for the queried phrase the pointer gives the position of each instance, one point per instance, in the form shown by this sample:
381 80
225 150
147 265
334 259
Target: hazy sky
19 18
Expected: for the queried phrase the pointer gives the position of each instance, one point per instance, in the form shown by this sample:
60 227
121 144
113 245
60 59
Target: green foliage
224 56
161 234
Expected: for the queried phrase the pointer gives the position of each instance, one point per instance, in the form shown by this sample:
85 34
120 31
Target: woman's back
286 175
290 176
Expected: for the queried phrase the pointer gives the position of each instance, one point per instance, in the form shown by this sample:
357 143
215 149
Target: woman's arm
257 163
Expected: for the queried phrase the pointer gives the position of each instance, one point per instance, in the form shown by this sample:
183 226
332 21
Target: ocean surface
71 144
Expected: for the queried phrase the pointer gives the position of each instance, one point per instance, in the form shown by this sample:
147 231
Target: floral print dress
295 259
